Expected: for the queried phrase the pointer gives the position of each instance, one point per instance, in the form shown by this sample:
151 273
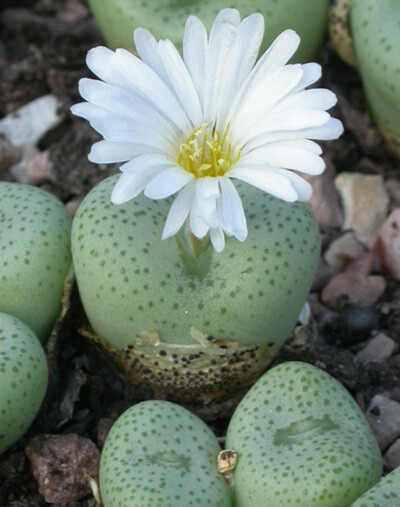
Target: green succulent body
376 38
35 255
159 454
166 18
302 440
23 379
386 493
131 281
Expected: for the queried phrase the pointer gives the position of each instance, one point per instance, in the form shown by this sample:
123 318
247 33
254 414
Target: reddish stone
362 265
325 200
353 288
59 463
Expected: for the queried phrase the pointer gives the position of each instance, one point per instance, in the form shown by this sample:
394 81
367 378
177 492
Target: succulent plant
373 28
35 255
230 118
23 374
386 493
158 453
302 440
165 19
131 282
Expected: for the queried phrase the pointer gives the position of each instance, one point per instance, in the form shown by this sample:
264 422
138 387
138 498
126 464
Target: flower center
207 153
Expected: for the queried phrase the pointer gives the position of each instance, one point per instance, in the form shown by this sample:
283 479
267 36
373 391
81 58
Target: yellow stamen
206 153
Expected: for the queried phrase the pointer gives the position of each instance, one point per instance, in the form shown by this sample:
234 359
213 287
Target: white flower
188 126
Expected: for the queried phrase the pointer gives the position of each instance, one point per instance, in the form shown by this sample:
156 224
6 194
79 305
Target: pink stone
38 168
325 201
379 348
353 288
59 463
362 265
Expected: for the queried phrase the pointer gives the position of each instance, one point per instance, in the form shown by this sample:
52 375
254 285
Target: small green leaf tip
302 440
35 255
386 493
376 38
23 379
165 19
160 454
130 281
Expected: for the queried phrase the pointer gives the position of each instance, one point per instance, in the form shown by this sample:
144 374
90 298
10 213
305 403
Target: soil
42 50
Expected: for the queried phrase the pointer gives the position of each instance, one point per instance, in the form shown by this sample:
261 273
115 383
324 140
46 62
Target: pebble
72 12
305 315
365 202
354 289
9 154
393 189
323 275
18 171
356 324
379 348
342 250
321 313
388 245
38 168
28 124
73 205
383 416
392 455
58 464
325 200
362 265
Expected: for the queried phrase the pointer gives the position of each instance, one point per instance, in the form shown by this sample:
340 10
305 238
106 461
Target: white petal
168 182
316 98
217 239
123 103
107 152
270 182
256 106
151 87
277 55
221 40
181 81
269 139
130 184
207 193
239 63
311 73
288 156
301 186
196 222
232 209
144 162
295 119
179 210
90 111
332 129
147 48
194 52
101 61
123 130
